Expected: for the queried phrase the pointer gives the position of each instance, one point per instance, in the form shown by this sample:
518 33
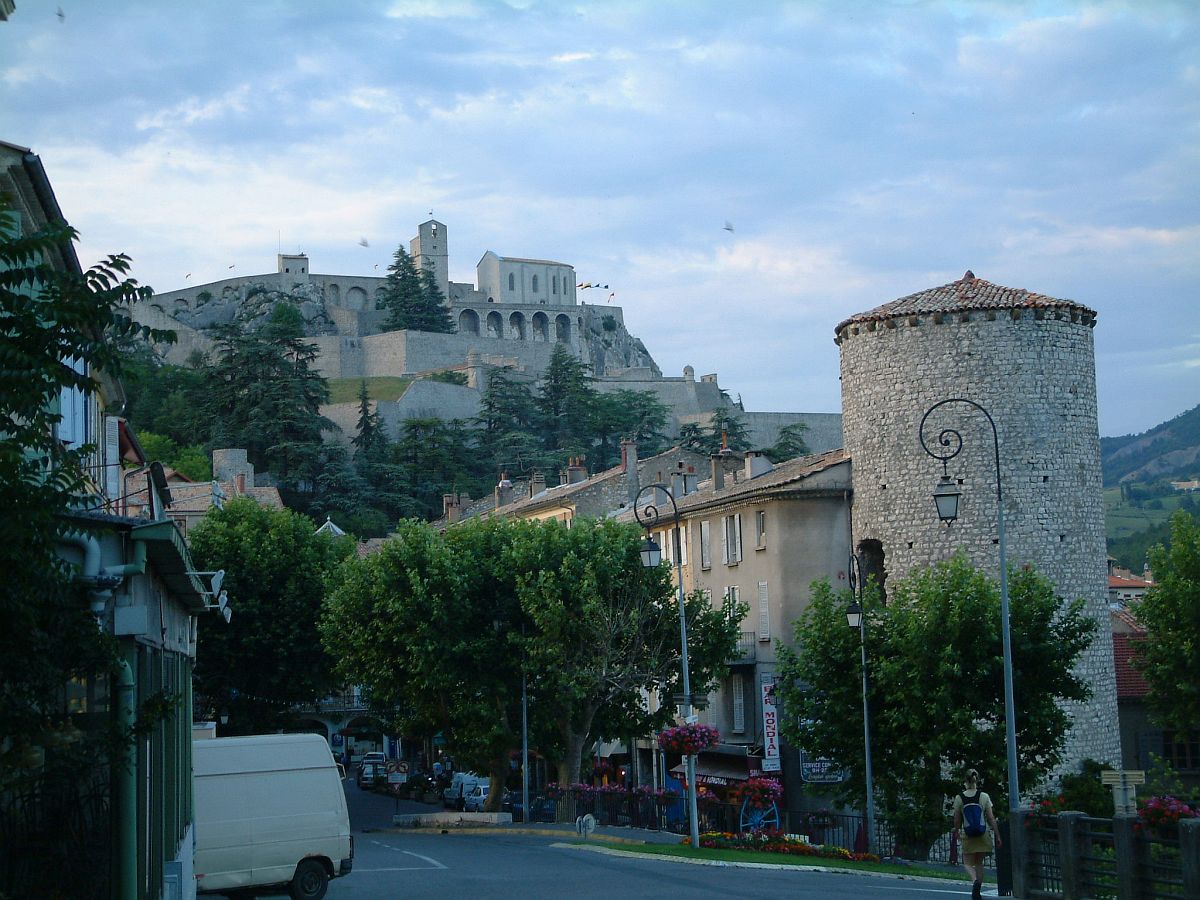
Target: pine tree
412 298
566 402
370 443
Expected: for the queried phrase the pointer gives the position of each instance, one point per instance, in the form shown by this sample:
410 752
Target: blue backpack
972 812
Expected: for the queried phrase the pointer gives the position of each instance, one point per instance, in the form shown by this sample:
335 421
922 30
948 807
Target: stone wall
1035 374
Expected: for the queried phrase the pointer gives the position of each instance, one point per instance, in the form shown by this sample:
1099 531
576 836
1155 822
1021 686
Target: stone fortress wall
516 315
1029 361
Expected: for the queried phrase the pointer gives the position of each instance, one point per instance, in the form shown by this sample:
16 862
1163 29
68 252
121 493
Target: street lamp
856 617
946 496
649 516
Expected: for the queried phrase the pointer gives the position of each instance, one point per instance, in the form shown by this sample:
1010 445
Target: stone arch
356 298
495 325
541 327
516 326
468 322
562 329
363 734
335 294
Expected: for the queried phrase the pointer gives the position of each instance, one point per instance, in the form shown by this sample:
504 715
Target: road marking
432 862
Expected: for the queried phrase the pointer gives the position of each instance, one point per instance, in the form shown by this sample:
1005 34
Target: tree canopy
269 656
48 318
439 628
936 687
1169 656
412 298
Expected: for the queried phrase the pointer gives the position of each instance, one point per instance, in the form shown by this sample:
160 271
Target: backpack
972 812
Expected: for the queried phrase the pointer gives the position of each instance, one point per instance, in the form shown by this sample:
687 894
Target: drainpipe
124 784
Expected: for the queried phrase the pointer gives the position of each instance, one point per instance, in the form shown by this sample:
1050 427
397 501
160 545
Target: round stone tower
1027 359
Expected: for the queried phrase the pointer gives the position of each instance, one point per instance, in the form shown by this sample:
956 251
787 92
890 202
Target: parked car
476 798
371 774
374 756
455 796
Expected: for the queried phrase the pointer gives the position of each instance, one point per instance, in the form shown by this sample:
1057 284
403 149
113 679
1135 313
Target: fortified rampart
1029 361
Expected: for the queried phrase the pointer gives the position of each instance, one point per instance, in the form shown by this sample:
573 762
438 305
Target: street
493 863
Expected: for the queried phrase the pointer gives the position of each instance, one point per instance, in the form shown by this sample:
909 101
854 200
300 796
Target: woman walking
973 814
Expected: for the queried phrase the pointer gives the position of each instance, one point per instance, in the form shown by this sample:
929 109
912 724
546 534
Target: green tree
789 443
412 299
936 687
264 395
192 461
430 458
606 630
370 441
47 636
724 430
1169 657
507 425
566 402
269 656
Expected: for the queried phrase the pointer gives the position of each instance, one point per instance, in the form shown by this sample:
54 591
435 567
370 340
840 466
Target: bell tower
430 248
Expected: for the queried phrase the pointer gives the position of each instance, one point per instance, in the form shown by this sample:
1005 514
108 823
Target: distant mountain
1170 450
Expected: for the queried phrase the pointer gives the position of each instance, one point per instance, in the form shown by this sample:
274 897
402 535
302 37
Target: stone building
1028 360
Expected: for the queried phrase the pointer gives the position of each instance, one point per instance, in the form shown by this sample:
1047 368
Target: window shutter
737 537
739 704
705 545
764 613
683 538
112 458
725 540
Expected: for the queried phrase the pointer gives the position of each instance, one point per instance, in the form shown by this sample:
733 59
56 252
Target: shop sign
819 770
770 760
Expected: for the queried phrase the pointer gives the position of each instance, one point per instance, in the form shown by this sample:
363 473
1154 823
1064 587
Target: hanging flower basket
688 740
759 793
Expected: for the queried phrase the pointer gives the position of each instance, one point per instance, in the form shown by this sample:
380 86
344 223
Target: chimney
718 472
241 483
503 491
452 507
756 464
537 483
576 471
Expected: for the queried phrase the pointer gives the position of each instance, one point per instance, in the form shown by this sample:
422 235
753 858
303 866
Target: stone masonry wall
1035 374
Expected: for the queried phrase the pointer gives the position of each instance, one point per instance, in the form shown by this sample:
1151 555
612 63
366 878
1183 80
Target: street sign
1122 782
397 777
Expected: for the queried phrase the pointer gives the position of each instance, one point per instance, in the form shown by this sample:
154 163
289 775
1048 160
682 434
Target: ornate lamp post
946 496
856 618
649 516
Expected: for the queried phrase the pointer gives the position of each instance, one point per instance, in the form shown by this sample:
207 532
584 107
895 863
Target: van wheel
310 882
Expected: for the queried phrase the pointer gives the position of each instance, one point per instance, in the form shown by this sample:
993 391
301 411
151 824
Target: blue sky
861 150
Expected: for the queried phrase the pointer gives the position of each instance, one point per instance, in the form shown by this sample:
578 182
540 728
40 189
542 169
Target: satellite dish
585 825
226 614
217 580
223 600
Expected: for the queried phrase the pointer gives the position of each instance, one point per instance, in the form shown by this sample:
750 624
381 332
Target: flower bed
777 842
688 740
1161 815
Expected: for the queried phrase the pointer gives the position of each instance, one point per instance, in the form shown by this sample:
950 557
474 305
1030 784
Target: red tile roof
1130 683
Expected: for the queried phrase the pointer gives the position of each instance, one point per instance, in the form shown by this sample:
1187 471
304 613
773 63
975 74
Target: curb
539 832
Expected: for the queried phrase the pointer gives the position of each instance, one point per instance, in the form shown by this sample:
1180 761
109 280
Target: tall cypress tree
412 298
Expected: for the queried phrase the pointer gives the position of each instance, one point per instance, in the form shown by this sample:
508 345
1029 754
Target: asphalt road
502 864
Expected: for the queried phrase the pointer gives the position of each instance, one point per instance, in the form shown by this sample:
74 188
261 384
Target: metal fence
56 837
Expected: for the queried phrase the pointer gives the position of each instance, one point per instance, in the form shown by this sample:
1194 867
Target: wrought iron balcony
747 649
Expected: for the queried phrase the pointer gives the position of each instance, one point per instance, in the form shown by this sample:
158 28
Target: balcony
747 649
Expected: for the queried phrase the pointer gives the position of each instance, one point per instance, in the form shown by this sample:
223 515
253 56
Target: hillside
1167 451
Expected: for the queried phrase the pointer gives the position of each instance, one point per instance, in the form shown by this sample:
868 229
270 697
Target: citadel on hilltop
516 313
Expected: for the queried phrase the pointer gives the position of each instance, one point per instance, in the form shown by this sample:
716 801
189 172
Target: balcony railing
747 648
347 701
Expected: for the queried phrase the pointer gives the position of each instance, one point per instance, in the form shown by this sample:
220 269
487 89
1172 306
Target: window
667 542
554 284
705 546
731 540
764 613
737 687
512 281
535 284
760 529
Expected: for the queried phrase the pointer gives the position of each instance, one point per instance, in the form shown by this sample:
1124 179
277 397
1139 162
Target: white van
455 796
270 812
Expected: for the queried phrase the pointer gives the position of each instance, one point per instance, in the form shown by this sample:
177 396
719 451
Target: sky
860 151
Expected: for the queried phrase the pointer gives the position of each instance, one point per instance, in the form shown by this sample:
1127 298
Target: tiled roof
1116 581
968 293
1130 683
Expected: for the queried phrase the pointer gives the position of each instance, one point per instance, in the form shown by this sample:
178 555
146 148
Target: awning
717 772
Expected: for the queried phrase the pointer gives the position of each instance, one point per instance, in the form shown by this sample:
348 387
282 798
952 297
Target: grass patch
381 387
783 859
